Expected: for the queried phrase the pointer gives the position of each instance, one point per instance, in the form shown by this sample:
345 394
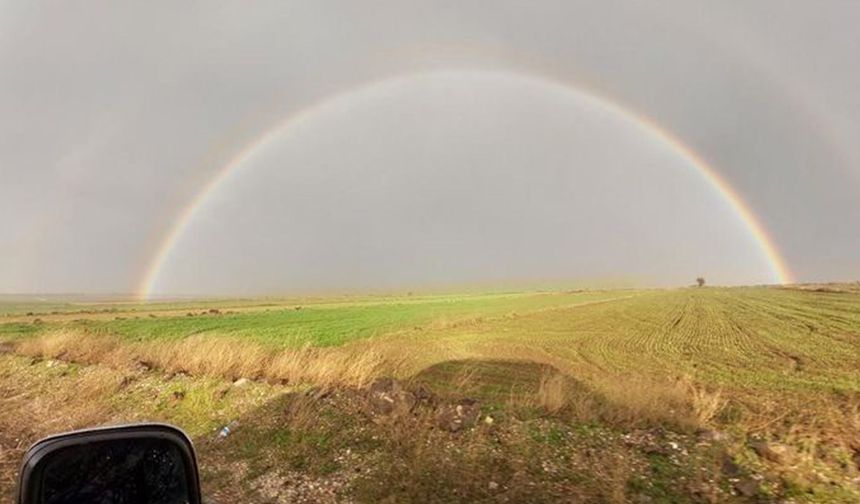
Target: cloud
113 115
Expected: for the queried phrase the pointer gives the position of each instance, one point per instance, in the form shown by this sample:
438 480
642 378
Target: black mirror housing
133 464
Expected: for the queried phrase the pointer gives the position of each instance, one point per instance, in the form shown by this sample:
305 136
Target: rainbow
779 270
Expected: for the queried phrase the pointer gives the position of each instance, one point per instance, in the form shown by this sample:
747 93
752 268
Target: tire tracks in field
802 334
595 347
462 338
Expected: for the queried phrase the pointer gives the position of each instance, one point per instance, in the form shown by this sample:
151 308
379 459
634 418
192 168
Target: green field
326 324
557 371
285 323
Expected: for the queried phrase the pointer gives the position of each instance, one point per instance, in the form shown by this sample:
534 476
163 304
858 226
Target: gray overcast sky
463 163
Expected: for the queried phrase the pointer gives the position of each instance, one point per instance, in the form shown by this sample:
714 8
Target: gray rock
459 416
387 396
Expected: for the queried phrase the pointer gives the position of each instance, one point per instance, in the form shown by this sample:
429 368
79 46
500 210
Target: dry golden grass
634 399
207 356
705 404
622 400
215 356
552 393
39 408
629 400
72 346
326 367
619 399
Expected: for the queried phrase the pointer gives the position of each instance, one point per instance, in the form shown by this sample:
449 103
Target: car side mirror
134 464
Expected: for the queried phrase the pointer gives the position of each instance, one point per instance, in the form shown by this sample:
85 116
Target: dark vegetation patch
325 446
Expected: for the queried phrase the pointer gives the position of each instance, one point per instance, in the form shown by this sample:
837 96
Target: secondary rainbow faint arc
778 267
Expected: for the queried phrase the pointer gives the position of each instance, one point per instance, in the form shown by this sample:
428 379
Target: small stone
241 382
388 397
143 366
454 418
769 451
488 420
424 395
493 485
713 436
